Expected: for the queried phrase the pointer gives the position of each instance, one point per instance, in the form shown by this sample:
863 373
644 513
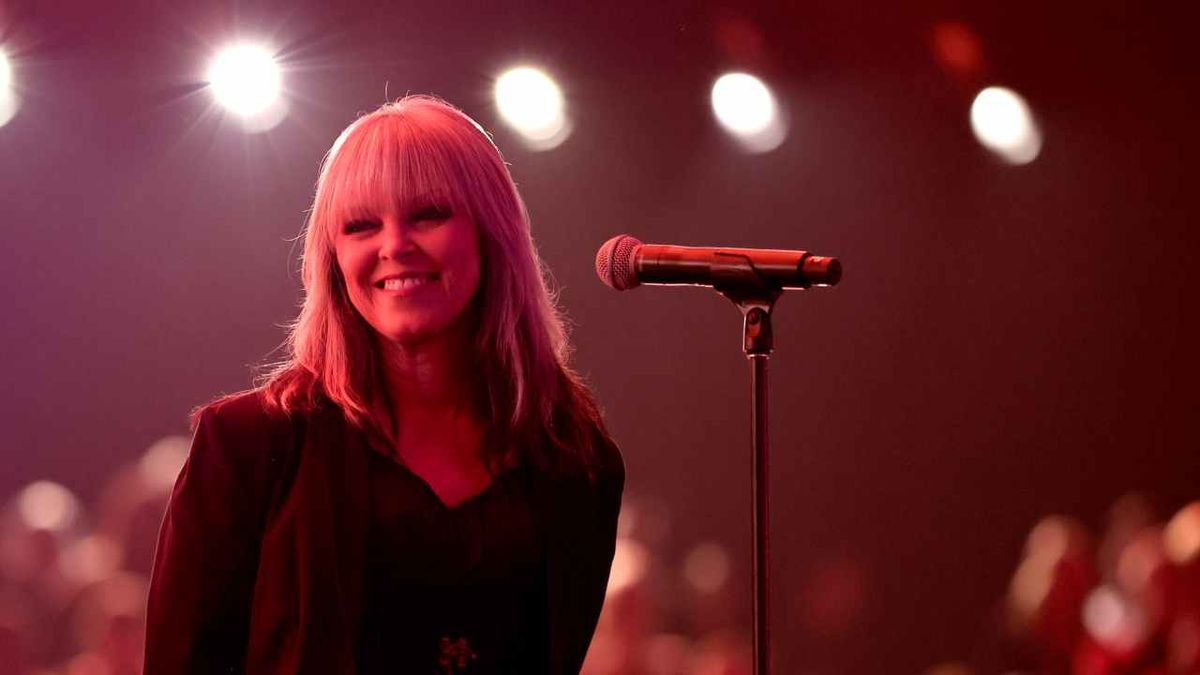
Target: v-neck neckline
428 489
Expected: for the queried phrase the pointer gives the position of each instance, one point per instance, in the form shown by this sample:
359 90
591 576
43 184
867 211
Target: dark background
1007 342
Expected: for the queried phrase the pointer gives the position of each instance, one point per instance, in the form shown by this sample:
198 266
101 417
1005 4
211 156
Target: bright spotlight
746 108
246 80
8 105
532 104
742 103
1003 123
5 71
8 97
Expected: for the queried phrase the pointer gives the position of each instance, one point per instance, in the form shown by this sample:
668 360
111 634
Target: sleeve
584 562
207 554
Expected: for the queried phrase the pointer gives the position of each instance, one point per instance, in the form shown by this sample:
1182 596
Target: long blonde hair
415 147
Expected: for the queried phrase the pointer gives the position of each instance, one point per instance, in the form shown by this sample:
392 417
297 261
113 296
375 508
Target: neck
434 376
434 389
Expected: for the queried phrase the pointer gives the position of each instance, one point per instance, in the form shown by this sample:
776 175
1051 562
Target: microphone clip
755 298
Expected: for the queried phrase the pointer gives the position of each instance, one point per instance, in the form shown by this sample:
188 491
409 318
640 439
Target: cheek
352 270
463 249
355 263
471 270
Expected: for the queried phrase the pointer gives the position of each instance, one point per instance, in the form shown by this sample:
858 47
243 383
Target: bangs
386 167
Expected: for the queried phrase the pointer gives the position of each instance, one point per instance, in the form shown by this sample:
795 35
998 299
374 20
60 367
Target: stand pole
739 281
757 342
761 517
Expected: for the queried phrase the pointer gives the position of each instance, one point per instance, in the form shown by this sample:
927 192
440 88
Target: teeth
404 284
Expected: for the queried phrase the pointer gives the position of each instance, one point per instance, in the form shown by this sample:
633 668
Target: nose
396 240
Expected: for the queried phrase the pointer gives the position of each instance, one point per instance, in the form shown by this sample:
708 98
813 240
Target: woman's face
410 273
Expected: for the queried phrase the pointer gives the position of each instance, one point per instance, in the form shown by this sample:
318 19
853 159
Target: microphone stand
756 299
732 273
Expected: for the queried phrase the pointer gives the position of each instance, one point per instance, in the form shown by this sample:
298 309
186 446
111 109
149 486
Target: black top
452 590
261 561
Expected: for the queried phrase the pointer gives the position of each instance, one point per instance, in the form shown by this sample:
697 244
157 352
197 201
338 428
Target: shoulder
241 429
243 408
249 412
608 464
600 481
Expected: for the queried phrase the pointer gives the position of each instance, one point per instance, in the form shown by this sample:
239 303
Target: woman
424 486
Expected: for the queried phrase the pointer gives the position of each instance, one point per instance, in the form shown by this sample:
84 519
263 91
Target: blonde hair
415 148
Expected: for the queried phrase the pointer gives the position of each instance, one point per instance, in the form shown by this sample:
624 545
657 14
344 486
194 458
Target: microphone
623 262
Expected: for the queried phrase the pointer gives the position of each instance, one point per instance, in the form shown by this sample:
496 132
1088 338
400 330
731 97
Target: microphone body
624 262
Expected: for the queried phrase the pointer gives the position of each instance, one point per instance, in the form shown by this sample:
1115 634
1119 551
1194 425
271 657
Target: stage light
1003 123
5 71
746 108
247 81
532 104
742 103
8 97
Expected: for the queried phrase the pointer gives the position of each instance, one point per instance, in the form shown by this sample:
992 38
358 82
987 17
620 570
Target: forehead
386 168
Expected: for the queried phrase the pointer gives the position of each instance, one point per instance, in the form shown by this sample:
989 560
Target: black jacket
259 567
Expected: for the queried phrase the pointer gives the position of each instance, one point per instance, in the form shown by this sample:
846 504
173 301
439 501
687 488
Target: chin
409 336
414 333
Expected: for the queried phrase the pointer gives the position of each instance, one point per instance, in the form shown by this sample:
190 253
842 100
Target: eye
432 214
359 225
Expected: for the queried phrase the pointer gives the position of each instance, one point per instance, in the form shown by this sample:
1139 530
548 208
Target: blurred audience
1126 603
73 582
664 617
73 588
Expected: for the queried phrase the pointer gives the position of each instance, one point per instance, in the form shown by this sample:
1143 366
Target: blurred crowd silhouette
1125 602
73 584
73 580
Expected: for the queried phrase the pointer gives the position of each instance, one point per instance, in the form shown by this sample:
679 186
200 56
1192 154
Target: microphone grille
614 262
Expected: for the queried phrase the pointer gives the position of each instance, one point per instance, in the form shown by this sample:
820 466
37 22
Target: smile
406 284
